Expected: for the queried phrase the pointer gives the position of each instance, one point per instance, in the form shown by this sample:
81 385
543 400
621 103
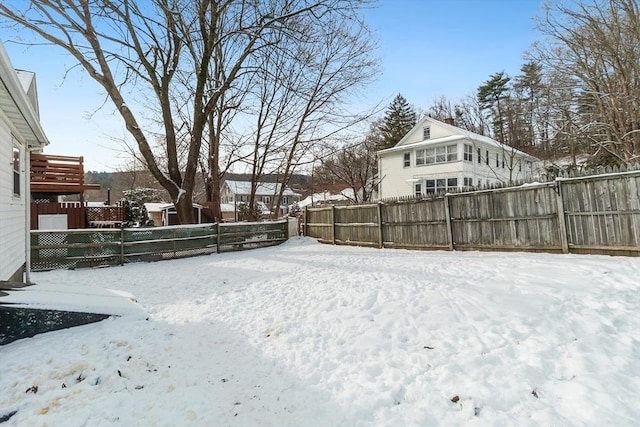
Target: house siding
398 180
12 209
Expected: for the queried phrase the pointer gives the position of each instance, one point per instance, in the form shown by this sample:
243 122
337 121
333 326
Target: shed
165 213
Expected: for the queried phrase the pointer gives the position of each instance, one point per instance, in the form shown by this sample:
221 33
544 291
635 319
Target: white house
236 192
436 156
20 133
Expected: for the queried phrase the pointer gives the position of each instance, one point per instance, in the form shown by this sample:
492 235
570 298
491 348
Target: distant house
165 213
435 157
237 192
20 133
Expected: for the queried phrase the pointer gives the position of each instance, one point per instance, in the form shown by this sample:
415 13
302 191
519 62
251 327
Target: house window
502 160
407 159
452 153
479 159
266 199
468 152
520 166
419 157
285 201
497 160
446 153
417 190
430 186
468 182
426 133
440 185
486 157
16 170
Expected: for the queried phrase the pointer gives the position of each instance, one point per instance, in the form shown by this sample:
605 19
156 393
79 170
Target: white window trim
446 154
440 185
467 152
16 173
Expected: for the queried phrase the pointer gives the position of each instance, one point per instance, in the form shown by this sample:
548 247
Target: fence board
593 214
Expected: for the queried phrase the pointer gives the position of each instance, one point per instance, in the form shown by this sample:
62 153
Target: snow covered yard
305 334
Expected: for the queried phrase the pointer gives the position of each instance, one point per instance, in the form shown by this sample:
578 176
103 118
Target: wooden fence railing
596 214
104 247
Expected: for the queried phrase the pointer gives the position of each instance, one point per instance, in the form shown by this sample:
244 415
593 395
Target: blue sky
431 48
427 49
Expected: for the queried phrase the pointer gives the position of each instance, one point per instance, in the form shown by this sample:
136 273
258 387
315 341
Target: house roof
327 197
15 103
162 206
263 189
457 134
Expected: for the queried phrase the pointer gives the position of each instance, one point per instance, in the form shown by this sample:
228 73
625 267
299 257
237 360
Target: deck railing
58 174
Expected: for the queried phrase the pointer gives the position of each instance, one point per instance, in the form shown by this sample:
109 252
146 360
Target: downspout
27 215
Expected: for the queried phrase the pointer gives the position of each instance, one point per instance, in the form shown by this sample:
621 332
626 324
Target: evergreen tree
133 201
492 97
399 119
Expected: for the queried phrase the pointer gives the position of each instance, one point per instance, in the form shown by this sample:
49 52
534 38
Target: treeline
576 97
575 102
115 185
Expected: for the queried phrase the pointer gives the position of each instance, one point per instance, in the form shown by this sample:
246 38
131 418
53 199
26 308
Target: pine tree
399 119
491 96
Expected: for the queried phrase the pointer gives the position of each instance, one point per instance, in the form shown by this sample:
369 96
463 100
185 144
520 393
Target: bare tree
355 165
466 112
313 99
595 45
164 51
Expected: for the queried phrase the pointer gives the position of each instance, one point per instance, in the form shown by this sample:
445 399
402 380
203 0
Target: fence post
562 225
304 222
286 228
333 224
380 237
447 215
122 246
218 237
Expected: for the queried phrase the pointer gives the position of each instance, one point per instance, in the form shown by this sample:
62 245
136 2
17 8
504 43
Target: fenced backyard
106 247
597 214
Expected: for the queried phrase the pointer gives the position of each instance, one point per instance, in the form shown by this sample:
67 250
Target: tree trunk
184 208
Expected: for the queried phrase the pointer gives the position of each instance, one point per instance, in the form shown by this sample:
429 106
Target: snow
181 192
75 298
326 197
262 189
311 334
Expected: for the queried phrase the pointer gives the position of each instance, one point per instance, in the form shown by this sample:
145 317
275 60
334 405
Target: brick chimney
450 121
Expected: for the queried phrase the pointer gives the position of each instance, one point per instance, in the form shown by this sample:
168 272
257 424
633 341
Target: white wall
397 180
393 176
12 209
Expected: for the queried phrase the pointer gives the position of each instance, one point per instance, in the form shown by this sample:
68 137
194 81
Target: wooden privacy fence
104 247
78 215
596 214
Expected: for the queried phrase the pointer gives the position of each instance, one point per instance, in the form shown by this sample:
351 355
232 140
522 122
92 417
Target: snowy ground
305 334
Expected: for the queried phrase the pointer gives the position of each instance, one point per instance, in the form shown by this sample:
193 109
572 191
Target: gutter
19 98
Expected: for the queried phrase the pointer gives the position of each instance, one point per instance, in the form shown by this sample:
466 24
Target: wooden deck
58 174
